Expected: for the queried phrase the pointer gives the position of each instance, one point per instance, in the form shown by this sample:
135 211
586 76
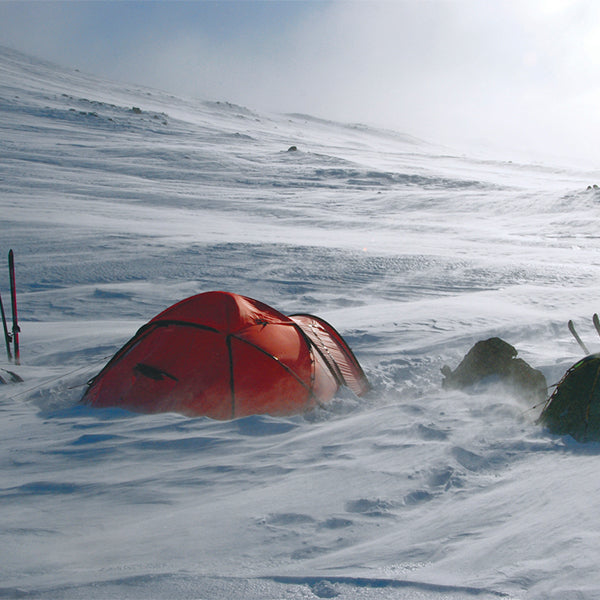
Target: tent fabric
226 356
334 350
574 407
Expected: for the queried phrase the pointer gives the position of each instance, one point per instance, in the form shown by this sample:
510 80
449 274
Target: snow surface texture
121 201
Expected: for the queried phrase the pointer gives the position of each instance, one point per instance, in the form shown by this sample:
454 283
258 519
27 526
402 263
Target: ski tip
596 322
576 336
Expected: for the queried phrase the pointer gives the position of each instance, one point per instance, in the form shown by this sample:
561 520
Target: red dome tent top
224 356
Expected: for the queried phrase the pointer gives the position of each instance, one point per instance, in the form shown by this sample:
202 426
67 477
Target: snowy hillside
119 201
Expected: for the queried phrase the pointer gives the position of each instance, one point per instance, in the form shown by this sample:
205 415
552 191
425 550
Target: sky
516 76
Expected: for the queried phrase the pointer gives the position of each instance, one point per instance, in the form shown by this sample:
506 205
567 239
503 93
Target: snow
411 251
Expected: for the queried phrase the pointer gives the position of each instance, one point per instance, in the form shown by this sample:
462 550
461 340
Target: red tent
225 356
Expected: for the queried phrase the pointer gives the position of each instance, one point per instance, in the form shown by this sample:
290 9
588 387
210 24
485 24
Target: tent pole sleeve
231 379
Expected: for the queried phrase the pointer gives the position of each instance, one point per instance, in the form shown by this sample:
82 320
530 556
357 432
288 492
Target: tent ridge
168 322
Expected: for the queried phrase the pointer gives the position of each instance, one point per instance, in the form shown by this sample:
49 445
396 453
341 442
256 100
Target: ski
7 336
576 336
13 297
596 322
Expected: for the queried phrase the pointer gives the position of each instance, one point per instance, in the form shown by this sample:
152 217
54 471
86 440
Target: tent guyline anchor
12 336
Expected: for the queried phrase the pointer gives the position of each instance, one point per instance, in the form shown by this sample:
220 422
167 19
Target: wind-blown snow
121 201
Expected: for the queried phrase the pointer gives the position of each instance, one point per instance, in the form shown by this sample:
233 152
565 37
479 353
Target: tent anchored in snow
226 356
574 407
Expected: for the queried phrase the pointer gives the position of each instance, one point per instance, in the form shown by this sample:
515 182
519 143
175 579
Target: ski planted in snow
596 322
7 335
576 336
13 297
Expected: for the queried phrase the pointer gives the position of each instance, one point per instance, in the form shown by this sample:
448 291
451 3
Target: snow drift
412 251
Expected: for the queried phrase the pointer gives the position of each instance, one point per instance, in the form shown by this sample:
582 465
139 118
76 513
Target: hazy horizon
512 76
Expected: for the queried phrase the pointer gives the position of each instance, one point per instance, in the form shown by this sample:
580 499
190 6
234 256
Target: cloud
512 74
501 73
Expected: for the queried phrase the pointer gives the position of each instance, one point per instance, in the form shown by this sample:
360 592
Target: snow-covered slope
119 201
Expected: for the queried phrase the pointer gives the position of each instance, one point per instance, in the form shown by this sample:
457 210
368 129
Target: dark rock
485 358
495 357
525 381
